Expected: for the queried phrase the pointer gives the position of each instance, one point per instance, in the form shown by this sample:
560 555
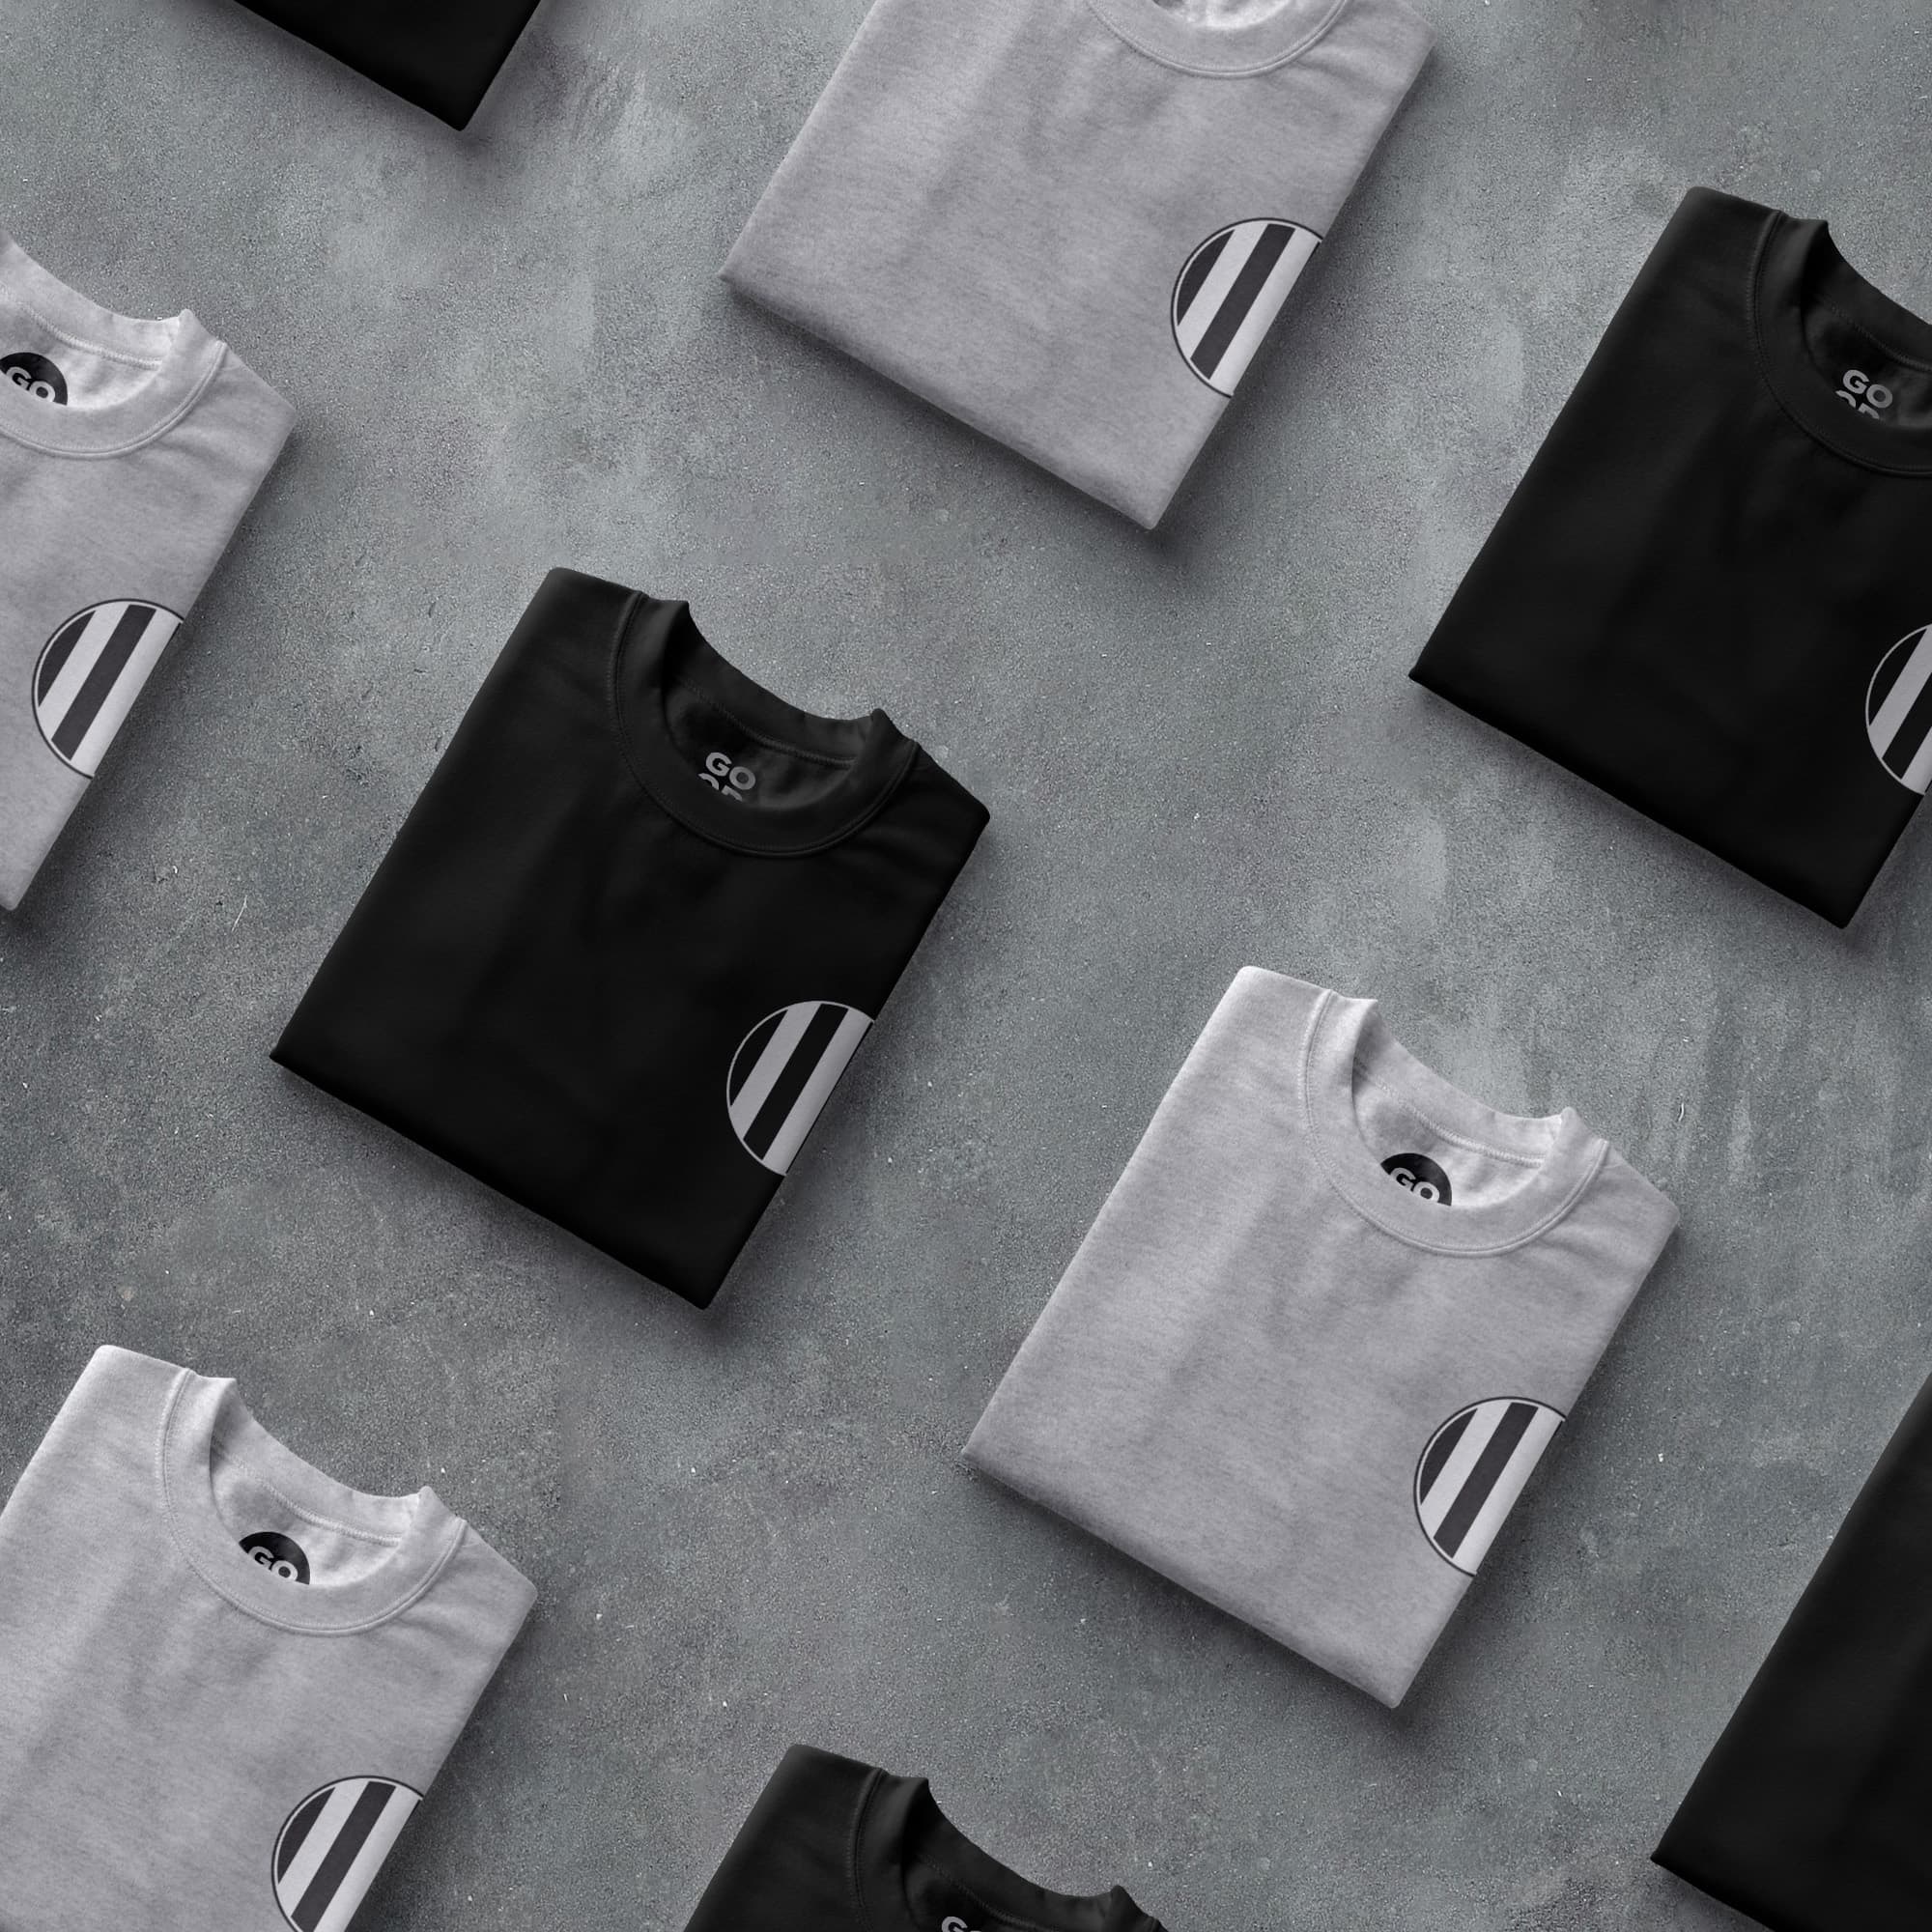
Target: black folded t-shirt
633 931
1711 594
836 1846
1813 1811
440 54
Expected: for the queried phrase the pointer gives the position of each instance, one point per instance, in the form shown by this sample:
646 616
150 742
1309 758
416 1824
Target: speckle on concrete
509 350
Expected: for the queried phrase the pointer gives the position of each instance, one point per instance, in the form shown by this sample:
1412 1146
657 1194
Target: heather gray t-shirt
225 1680
1071 222
128 452
1329 1319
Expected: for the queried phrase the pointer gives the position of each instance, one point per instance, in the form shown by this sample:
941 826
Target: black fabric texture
595 975
1810 1815
1717 558
836 1846
438 54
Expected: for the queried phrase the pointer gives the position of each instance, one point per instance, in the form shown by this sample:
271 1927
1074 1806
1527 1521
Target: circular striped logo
783 1073
1228 292
1472 1470
1898 710
90 673
333 1844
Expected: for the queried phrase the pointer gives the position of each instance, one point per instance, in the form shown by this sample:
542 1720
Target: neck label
35 373
1424 1178
280 1555
1869 398
728 781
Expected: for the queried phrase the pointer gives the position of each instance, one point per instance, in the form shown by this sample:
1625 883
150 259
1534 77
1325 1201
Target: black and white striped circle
1472 1471
1898 710
1229 293
783 1073
90 673
333 1844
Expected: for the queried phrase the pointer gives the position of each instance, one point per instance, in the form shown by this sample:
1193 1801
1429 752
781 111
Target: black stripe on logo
102 677
790 1083
298 1828
1233 310
1440 1450
57 654
755 1043
1482 1479
1196 272
1911 736
1885 677
341 1855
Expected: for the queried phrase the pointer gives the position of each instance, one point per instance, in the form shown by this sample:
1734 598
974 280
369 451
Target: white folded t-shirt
1072 223
226 1679
1332 1315
128 452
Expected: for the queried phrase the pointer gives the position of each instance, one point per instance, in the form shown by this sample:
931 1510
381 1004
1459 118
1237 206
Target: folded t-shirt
1709 593
838 1846
226 1679
440 54
1071 222
633 931
1813 1811
128 452
1329 1319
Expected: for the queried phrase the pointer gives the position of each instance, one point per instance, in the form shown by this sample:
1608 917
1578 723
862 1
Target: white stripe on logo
87 647
1190 328
1282 277
1902 696
1509 1484
817 1089
294 1882
1454 1474
764 1076
360 1875
120 699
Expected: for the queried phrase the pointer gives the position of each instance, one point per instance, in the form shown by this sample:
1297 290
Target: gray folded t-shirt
1330 1317
128 452
226 1679
1071 222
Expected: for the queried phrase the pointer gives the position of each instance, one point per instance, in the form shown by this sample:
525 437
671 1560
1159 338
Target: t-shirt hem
1772 1918
1612 786
1143 511
1144 1553
699 1294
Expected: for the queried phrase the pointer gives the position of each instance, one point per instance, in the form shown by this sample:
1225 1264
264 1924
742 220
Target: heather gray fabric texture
128 452
1326 1323
197 1735
1012 208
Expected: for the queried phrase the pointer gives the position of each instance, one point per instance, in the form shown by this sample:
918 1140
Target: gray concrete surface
509 350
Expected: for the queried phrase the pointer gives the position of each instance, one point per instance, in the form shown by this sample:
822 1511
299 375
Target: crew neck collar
898 1818
1348 1041
1169 36
205 1417
1799 264
659 644
178 351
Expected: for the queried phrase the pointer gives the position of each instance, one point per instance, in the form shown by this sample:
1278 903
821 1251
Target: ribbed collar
181 356
205 1419
1347 1042
1798 268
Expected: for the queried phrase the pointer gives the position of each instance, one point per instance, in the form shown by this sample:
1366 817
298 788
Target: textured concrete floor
509 350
